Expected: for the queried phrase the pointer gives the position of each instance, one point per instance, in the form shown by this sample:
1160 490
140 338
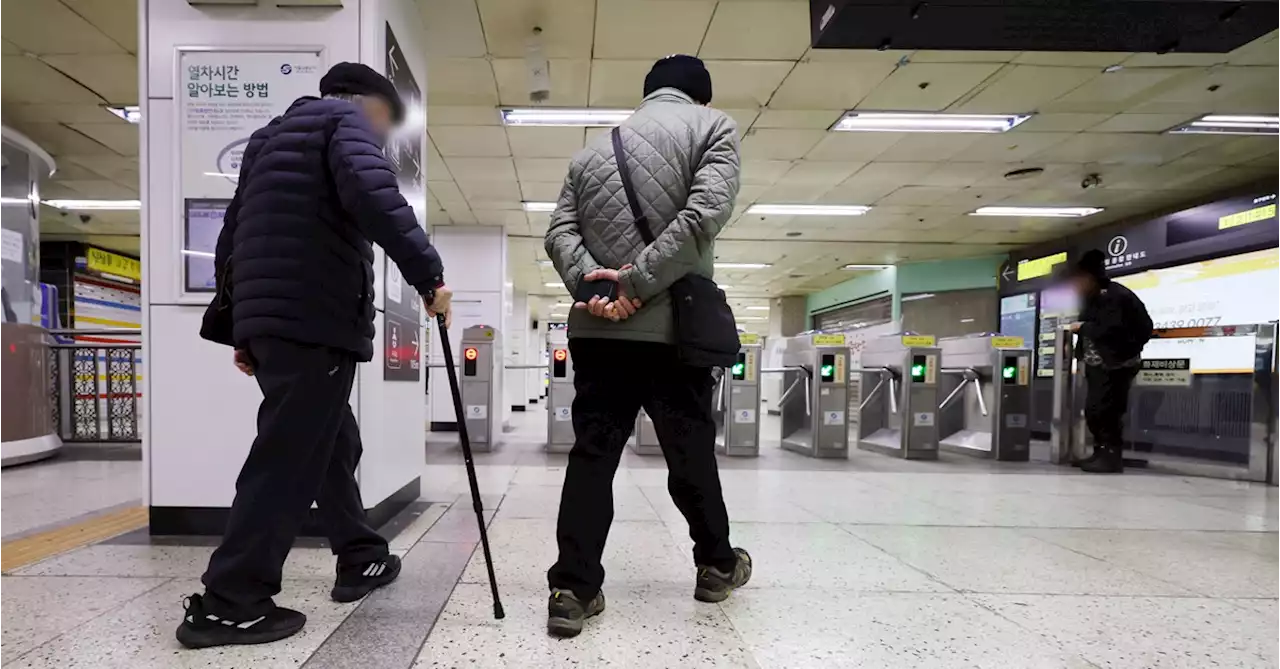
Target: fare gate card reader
479 386
560 393
738 395
898 412
986 408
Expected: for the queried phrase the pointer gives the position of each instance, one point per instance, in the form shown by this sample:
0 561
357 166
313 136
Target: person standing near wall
295 272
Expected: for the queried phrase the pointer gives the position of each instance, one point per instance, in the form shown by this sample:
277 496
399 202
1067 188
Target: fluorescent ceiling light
1225 124
1043 212
591 118
539 206
808 209
721 286
198 254
864 267
554 284
743 265
757 308
546 263
913 298
750 318
966 320
130 113
94 204
856 121
562 305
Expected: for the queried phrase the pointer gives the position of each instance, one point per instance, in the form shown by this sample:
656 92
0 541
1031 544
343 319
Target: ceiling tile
1010 147
481 169
47 27
1140 123
542 169
1024 88
745 83
617 83
57 113
779 144
1061 122
541 191
1069 58
447 194
1116 91
117 19
461 140
570 80
101 190
819 172
815 84
927 56
491 194
1224 90
736 28
110 165
1233 151
1261 51
918 195
436 169
60 140
568 26
928 86
764 172
534 142
118 135
461 81
853 146
114 77
27 80
921 146
744 118
452 28
811 119
644 29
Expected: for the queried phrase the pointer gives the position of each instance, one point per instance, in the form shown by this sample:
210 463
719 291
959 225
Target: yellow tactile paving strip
27 550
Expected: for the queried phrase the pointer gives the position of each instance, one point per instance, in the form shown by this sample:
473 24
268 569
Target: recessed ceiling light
554 284
857 121
94 204
130 113
552 116
920 296
866 267
966 320
808 209
750 318
721 286
757 308
538 206
1112 68
742 265
546 263
1032 212
1223 124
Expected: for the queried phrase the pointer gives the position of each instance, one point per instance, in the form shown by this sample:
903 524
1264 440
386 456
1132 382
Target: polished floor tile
45 494
39 608
167 561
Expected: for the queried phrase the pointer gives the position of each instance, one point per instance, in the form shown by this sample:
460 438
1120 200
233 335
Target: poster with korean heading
402 332
223 97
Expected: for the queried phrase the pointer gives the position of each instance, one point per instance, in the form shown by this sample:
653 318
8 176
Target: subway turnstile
814 403
738 399
560 394
986 408
479 386
898 416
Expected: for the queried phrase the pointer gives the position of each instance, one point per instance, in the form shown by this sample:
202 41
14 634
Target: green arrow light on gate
738 369
1009 372
917 372
828 370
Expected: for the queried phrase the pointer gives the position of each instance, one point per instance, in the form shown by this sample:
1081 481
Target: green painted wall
925 277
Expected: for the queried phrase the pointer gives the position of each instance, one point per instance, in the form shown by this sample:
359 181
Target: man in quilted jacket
682 157
295 257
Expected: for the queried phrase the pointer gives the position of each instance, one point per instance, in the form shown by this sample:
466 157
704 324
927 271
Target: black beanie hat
360 79
1092 263
684 73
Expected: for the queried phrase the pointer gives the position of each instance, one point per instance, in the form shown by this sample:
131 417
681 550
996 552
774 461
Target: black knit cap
360 79
684 73
1092 263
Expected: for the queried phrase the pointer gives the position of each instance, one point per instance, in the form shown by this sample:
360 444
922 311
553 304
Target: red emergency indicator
561 354
471 354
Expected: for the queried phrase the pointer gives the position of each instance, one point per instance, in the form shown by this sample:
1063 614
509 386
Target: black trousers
1106 404
307 449
613 380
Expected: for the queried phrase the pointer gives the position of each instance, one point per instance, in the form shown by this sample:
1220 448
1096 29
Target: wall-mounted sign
1038 267
1165 372
402 314
106 262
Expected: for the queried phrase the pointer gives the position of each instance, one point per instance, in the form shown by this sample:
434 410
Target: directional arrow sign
1004 273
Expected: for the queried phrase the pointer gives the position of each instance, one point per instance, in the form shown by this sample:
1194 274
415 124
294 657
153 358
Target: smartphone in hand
602 288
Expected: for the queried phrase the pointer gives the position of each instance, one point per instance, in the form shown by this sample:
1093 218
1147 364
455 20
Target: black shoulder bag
706 332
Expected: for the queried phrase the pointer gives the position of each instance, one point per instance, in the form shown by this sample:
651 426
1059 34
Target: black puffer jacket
1117 324
314 191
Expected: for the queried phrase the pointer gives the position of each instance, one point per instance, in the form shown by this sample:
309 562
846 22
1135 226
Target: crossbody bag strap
620 155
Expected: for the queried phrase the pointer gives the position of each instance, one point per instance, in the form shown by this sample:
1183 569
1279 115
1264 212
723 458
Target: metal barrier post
741 387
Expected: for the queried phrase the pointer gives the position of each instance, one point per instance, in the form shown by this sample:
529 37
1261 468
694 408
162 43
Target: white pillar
199 411
787 316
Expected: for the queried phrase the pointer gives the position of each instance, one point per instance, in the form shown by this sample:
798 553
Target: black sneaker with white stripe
201 629
356 581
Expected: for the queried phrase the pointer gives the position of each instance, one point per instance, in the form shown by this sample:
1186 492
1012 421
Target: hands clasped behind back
615 310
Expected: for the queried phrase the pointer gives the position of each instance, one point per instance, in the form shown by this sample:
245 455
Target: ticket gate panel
814 404
898 415
560 395
644 440
478 387
987 397
739 391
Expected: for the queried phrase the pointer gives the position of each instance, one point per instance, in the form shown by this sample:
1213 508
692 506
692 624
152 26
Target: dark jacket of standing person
1113 320
315 190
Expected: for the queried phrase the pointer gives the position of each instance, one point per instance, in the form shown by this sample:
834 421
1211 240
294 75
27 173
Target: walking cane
471 465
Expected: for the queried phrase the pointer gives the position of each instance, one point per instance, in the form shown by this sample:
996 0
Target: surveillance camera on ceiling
538 69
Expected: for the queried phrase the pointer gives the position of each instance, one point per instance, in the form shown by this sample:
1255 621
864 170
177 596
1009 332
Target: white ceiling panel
481 169
818 84
918 195
491 194
1069 122
462 115
927 56
56 113
816 119
923 146
570 80
737 28
46 27
1262 51
1140 123
618 83
461 140
447 194
101 189
744 118
60 140
853 146
568 26
461 81
745 83
119 136
1116 91
819 173
779 144
452 28
436 169
1233 151
1069 58
114 76
27 80
1224 90
928 86
1024 88
645 29
542 169
764 172
535 142
1010 147
541 191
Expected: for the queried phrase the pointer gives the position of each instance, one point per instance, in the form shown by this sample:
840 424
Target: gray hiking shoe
566 613
714 585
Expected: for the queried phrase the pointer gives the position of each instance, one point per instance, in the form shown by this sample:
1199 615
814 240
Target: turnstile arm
946 402
982 404
886 374
970 376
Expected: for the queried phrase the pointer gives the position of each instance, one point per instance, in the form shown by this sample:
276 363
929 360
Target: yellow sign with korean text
1006 342
746 338
918 340
828 340
106 262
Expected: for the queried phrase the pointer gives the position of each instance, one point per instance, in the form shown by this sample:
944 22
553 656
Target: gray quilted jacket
683 159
